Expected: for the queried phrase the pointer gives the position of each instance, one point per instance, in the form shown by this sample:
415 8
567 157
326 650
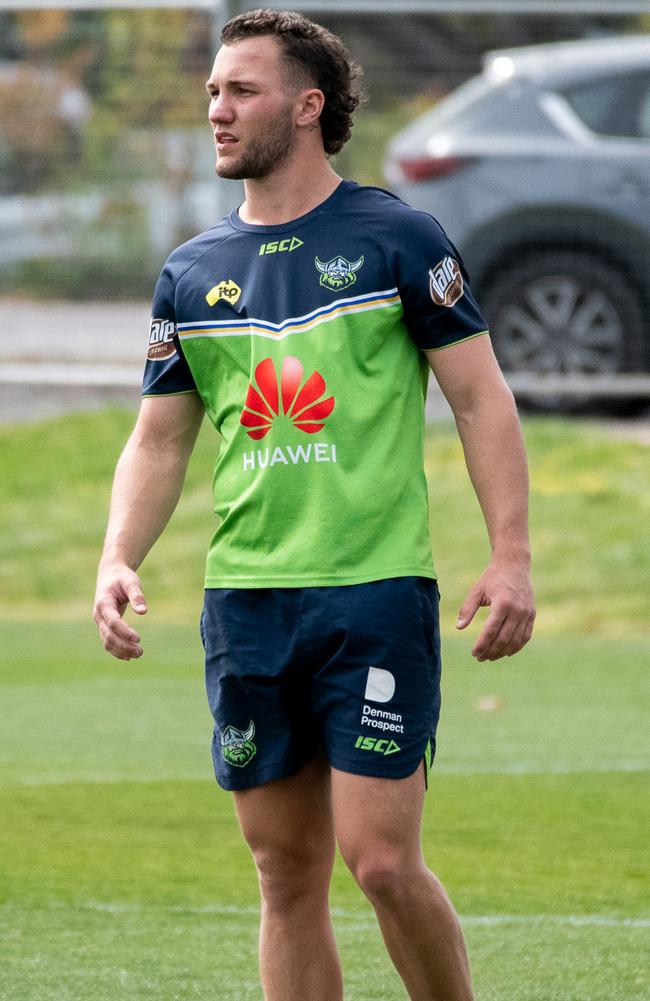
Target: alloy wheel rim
560 325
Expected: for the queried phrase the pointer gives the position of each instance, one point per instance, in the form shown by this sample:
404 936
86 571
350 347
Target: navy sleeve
439 308
166 371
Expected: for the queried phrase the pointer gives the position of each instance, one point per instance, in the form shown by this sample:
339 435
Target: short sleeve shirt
305 342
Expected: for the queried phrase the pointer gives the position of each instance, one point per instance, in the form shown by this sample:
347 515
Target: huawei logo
302 405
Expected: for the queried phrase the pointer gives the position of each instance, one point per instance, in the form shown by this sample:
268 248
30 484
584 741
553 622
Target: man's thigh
374 816
288 825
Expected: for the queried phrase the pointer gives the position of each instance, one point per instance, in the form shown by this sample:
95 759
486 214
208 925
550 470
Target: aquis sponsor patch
446 282
161 340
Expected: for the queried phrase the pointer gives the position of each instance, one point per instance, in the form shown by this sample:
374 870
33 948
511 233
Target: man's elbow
494 401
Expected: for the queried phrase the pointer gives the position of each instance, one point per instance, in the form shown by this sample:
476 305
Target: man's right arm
148 482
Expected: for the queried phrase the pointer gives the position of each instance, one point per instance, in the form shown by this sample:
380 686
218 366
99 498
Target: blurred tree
148 76
39 29
34 142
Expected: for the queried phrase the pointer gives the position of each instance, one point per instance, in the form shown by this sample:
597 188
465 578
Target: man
305 324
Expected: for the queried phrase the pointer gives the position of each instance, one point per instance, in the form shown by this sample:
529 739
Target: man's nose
220 110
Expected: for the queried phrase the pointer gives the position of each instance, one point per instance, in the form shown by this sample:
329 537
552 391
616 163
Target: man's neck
288 193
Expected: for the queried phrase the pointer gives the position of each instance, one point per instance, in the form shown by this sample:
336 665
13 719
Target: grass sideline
590 501
123 876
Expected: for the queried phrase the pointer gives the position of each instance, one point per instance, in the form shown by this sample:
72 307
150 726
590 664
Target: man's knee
385 872
287 874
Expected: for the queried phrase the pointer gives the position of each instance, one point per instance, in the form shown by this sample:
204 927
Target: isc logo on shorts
161 340
378 744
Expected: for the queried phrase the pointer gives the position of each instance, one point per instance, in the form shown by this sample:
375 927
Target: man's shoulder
183 257
393 220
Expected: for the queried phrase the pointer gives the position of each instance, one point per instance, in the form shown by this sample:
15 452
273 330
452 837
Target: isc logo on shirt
280 246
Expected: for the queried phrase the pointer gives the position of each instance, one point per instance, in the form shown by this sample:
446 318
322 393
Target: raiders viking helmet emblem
339 273
237 745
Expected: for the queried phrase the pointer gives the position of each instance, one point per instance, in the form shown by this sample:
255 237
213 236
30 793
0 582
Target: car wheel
567 314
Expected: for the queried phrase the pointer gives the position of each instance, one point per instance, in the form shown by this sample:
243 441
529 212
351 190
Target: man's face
251 108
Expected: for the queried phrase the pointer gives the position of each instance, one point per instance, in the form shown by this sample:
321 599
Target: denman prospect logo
304 405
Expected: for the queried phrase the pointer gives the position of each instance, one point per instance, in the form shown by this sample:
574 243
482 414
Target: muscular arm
490 433
148 482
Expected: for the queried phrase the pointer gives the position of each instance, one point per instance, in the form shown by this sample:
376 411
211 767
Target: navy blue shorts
351 672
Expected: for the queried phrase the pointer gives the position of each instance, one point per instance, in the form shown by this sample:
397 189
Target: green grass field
122 871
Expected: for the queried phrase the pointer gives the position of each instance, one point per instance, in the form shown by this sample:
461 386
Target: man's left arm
489 429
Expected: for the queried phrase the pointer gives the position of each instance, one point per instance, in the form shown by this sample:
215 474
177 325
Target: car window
614 106
474 91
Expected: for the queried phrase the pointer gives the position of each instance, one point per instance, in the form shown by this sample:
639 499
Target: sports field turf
123 874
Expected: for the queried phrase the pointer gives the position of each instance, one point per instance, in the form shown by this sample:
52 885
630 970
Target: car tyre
564 313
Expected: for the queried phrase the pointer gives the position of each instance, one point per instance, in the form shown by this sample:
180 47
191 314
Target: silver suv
539 169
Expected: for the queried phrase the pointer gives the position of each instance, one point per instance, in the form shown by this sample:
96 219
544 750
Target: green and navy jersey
304 342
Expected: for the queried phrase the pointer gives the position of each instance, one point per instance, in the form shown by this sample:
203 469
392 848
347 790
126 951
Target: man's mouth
223 139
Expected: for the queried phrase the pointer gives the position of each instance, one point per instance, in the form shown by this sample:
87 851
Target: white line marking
361 920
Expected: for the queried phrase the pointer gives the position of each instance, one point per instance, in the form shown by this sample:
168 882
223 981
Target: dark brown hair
313 55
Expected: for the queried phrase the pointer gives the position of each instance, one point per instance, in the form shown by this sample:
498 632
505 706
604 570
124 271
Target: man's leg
377 824
288 827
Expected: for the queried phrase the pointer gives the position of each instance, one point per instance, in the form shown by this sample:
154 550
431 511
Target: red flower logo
303 406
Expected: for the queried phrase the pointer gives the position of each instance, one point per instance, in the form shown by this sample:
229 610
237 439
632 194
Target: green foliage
590 501
362 158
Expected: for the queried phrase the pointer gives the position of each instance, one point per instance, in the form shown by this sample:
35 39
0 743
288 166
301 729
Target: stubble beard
263 154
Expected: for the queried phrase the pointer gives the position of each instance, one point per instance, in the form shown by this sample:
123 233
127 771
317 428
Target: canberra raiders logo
237 747
338 274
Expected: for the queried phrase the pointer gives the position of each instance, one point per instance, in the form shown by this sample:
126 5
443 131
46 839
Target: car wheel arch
515 236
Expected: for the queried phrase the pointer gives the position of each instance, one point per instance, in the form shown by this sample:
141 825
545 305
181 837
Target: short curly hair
313 56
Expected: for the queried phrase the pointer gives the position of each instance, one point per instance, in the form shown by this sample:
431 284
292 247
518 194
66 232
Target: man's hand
148 481
118 587
505 586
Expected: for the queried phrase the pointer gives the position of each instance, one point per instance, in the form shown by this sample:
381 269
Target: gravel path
97 332
59 357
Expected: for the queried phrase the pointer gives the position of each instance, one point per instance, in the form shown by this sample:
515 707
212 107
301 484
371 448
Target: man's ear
310 105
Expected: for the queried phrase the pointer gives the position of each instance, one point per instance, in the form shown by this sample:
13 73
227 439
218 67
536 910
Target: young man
305 324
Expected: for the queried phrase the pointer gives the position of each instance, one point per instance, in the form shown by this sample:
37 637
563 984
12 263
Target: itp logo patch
229 291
